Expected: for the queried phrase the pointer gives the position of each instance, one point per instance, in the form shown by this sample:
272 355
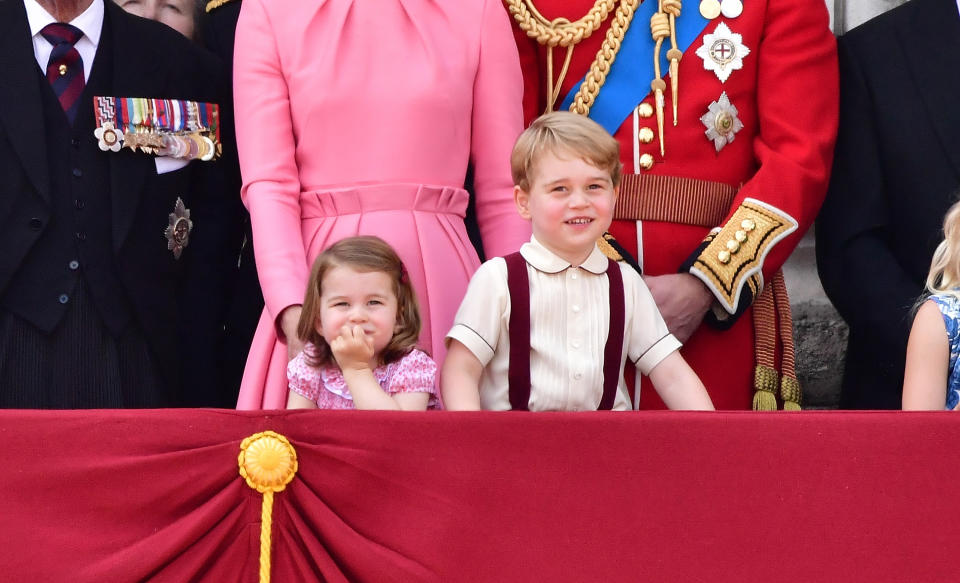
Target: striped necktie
65 67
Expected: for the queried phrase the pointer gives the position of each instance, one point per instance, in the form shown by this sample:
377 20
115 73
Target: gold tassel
790 393
267 463
765 386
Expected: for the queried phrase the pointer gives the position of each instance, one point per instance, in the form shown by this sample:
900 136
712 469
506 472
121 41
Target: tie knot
58 33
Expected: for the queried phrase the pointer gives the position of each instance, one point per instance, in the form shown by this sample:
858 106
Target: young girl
932 375
359 325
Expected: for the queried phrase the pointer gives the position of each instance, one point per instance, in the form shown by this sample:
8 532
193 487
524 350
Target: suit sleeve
859 272
271 185
497 121
797 85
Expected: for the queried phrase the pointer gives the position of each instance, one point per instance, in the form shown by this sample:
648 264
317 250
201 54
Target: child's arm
353 351
297 401
928 359
460 379
678 385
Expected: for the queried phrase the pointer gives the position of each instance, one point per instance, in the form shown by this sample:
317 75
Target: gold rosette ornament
268 463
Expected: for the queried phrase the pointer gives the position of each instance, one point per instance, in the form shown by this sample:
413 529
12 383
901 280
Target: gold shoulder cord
561 32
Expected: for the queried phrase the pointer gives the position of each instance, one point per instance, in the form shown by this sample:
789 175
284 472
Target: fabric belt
674 199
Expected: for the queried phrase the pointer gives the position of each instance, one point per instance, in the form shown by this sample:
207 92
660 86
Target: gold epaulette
734 255
214 4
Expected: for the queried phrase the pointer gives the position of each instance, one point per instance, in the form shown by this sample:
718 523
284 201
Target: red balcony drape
117 496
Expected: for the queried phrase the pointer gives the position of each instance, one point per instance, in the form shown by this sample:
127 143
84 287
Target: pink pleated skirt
424 224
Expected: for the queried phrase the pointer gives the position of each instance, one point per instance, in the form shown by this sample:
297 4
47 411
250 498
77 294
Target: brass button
645 110
723 257
645 135
740 236
646 161
733 246
63 70
748 225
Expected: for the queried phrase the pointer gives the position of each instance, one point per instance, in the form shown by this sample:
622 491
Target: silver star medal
723 52
722 122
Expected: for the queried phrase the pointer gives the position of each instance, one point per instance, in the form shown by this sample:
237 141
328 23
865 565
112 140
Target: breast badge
723 52
178 231
721 122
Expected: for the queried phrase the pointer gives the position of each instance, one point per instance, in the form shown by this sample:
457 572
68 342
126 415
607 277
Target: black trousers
79 365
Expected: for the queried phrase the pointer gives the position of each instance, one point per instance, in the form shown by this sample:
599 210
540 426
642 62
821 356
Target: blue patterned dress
949 306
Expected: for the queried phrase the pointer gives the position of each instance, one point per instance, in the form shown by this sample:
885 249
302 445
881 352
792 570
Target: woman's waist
341 200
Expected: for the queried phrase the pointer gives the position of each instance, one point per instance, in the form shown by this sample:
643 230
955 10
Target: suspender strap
519 371
614 346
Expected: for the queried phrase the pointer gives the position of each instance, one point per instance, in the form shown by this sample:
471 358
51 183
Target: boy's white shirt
569 315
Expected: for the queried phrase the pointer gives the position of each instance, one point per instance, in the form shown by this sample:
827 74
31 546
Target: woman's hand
289 320
352 349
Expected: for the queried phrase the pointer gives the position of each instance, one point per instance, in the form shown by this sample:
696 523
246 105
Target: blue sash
628 81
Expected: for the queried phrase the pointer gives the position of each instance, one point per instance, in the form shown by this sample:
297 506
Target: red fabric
652 496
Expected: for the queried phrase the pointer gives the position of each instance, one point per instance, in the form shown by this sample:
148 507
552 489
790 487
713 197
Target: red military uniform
728 211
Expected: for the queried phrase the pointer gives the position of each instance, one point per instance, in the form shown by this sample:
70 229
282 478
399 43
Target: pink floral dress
414 373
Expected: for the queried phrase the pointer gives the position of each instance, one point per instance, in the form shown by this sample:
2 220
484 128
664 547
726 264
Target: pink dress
414 373
360 117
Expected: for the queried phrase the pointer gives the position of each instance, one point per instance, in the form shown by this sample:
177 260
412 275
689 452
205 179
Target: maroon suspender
613 349
519 371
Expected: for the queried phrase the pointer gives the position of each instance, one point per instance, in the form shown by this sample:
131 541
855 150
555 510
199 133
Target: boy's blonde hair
562 132
363 254
944 276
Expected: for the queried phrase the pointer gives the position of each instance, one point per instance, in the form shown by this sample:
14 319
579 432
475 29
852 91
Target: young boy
534 329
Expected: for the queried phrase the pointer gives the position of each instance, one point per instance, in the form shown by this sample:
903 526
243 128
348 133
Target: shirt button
575 309
577 376
74 265
575 343
77 173
79 203
573 275
81 236
64 298
75 142
36 224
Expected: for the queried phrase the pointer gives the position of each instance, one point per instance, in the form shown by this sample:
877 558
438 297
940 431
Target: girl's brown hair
363 254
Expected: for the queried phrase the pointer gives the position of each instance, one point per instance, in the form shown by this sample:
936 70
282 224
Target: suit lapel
933 36
136 73
21 112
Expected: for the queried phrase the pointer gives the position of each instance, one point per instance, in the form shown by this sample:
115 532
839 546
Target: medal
109 137
731 8
721 122
723 52
178 229
187 130
710 9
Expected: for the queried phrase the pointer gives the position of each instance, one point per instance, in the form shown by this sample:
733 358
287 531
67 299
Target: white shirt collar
542 259
90 21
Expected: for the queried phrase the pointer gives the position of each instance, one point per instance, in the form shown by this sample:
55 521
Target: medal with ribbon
175 128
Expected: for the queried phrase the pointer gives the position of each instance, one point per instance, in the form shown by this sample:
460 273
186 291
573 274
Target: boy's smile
570 204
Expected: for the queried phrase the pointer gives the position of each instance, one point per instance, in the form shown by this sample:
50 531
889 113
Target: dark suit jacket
896 170
149 60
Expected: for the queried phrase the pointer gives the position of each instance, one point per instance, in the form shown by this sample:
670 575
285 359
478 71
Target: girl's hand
352 349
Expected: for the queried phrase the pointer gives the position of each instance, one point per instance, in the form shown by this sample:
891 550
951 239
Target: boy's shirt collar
542 259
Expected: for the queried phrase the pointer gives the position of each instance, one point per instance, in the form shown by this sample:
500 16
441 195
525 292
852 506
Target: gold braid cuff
734 255
267 463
